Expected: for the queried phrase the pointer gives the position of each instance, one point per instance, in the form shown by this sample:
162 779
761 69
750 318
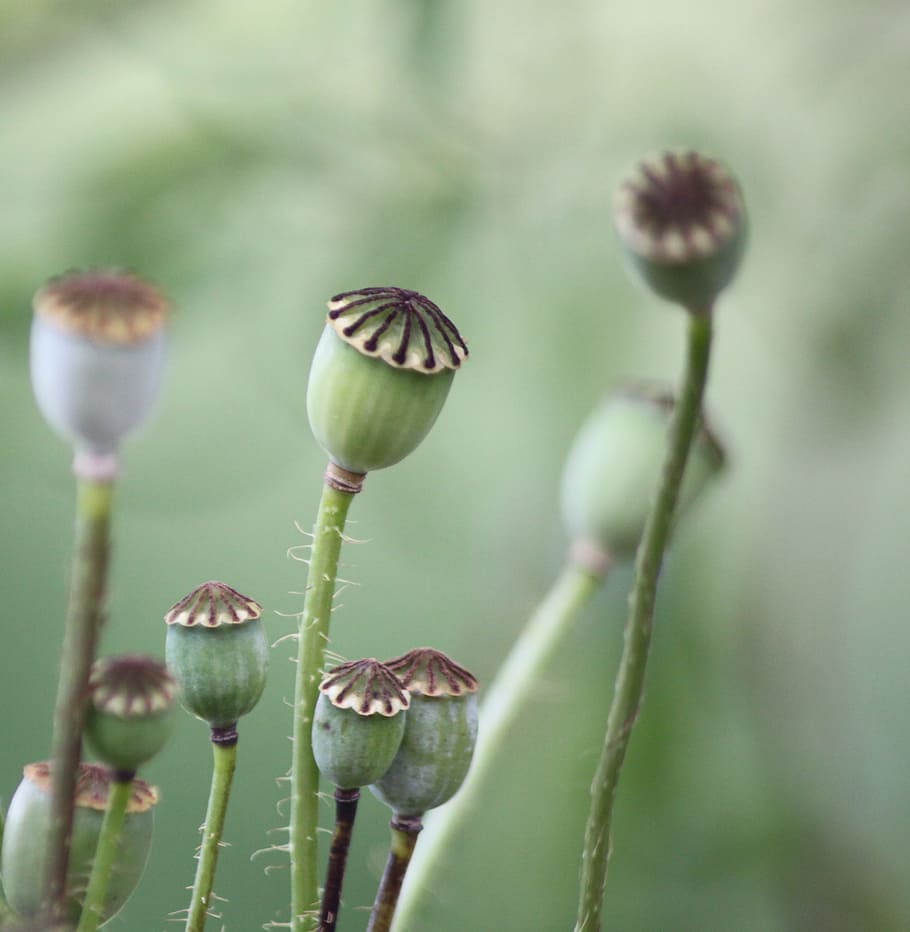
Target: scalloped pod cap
24 858
380 376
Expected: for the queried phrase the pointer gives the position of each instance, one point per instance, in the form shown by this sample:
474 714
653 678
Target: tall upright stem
105 853
80 640
504 700
630 677
345 812
313 638
224 751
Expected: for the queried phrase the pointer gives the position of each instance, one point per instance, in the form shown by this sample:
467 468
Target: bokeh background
254 158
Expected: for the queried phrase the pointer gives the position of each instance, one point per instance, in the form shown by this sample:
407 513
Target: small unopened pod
381 373
25 839
439 734
218 651
359 722
97 356
613 469
131 710
681 218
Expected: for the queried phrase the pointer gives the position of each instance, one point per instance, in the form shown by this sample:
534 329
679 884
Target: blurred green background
255 158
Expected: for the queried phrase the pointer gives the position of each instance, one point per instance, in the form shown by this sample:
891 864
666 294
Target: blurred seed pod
218 651
613 467
24 858
381 373
97 356
131 710
682 220
359 722
439 734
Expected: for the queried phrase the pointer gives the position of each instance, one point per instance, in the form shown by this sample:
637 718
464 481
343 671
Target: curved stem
345 813
630 677
504 700
105 853
405 830
225 760
313 638
80 640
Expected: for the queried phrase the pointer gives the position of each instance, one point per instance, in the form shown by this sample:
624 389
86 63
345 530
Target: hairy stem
80 641
224 750
504 701
105 853
630 678
313 638
405 830
345 813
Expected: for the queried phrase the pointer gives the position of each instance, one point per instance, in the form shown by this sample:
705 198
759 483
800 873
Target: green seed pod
219 653
381 373
131 710
25 839
97 356
439 733
613 469
682 220
359 722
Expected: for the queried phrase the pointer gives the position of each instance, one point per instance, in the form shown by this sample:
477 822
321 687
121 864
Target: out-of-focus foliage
254 159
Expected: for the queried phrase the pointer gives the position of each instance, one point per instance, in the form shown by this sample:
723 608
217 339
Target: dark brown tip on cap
679 206
403 328
366 686
106 306
428 672
213 604
93 784
131 686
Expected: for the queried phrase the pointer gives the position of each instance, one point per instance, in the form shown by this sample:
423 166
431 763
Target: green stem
224 750
630 676
105 853
80 640
405 830
313 638
503 702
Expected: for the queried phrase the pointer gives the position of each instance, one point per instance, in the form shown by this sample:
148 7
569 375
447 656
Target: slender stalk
405 830
105 853
630 677
80 640
313 638
345 813
504 700
224 750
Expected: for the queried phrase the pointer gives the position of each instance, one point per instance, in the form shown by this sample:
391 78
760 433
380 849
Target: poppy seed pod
381 373
439 733
682 220
218 651
25 839
614 465
359 722
97 354
131 710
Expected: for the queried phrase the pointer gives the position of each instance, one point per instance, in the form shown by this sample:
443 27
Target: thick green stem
224 750
345 812
405 830
80 640
313 638
105 853
503 702
630 677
